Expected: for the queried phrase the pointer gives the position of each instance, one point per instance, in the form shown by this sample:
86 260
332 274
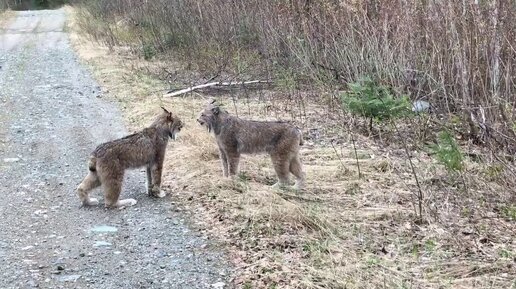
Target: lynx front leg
224 161
149 180
156 172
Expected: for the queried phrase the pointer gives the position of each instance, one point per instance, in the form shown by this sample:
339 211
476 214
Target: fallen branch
218 83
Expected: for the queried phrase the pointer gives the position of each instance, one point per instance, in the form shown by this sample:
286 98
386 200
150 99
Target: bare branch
211 84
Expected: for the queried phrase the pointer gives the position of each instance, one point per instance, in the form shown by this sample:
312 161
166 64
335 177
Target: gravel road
51 118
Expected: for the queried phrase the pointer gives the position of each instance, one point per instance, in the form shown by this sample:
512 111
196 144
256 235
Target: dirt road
51 118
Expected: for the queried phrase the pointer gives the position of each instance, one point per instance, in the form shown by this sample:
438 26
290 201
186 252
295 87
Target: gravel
51 118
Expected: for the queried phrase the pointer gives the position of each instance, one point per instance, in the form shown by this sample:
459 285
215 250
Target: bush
509 212
371 100
148 51
448 153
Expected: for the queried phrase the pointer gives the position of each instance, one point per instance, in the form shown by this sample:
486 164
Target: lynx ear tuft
169 114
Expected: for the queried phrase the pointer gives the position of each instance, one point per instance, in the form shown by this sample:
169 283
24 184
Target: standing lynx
145 148
236 136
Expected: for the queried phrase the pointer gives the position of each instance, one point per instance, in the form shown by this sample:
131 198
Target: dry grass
341 232
5 18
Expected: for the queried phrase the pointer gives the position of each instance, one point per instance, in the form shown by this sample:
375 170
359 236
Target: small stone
421 106
102 244
82 255
218 285
69 278
33 284
60 267
104 229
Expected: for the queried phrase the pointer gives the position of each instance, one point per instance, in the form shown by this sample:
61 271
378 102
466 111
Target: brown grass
5 17
341 232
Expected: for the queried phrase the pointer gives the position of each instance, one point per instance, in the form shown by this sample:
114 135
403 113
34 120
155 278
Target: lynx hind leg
281 166
112 185
233 160
297 170
112 189
90 182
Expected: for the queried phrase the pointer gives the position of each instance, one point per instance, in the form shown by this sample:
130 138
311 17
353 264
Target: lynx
236 136
145 148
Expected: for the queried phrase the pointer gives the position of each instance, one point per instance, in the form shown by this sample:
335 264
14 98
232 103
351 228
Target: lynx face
174 127
208 116
168 123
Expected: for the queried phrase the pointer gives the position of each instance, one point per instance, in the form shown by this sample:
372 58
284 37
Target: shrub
448 153
374 101
509 212
148 51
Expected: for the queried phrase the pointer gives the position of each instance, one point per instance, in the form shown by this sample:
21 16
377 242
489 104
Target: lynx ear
215 110
169 114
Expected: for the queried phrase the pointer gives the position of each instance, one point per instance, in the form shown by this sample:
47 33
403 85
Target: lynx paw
299 186
158 193
91 202
279 186
126 203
